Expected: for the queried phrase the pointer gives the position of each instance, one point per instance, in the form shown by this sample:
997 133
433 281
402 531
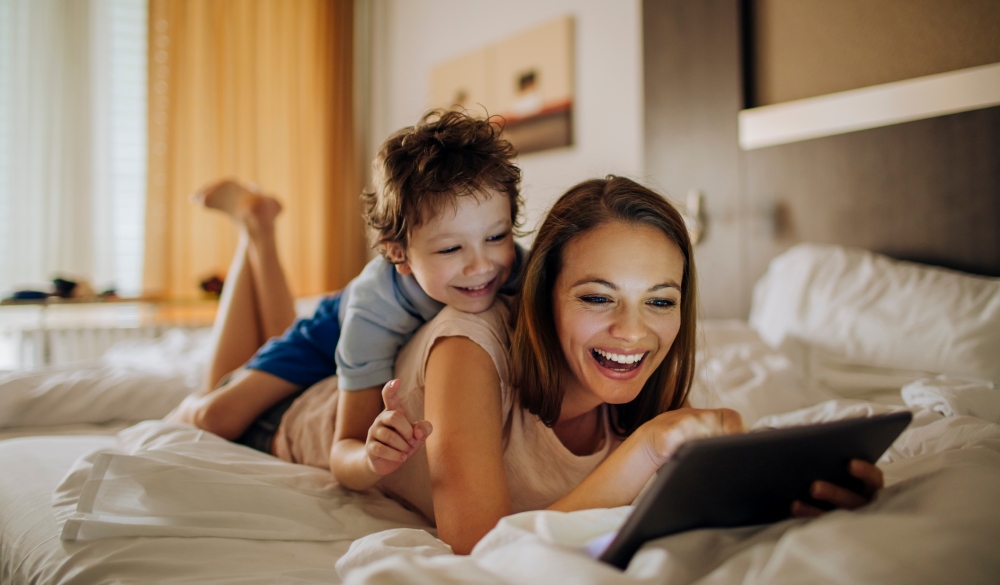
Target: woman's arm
465 452
620 478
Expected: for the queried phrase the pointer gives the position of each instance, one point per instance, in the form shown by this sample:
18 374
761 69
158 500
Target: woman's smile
621 361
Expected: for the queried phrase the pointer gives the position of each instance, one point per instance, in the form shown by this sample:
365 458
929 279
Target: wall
409 37
806 48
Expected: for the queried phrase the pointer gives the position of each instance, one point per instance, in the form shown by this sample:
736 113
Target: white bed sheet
937 521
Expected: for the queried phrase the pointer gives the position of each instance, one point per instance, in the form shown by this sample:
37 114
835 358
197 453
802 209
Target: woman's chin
615 388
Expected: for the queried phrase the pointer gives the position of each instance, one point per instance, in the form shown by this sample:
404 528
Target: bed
834 333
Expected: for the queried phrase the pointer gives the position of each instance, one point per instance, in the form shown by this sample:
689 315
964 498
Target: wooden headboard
926 190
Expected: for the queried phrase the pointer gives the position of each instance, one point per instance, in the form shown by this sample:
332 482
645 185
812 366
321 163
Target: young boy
442 216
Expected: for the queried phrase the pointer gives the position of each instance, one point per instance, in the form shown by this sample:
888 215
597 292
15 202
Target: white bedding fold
173 480
951 396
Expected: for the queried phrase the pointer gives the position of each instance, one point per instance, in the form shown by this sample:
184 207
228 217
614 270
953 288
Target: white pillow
881 312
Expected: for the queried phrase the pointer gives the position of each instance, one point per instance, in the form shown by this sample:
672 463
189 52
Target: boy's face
464 255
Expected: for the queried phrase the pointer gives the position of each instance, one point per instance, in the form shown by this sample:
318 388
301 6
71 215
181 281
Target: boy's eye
449 250
498 237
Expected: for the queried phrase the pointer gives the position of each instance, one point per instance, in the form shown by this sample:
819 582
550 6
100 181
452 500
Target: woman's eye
450 250
595 299
498 237
663 303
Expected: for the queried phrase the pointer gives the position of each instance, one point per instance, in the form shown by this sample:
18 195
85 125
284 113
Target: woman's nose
628 326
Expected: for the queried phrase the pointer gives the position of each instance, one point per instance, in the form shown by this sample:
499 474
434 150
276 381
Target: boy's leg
256 302
231 408
256 305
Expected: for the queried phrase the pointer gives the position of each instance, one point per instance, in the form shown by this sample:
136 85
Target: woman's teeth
609 359
475 288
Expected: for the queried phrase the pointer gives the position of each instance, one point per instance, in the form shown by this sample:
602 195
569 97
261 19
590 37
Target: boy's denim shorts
260 434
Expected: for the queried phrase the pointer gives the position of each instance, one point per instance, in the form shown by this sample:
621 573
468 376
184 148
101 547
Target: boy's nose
478 264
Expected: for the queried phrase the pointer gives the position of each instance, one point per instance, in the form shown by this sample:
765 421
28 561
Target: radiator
32 348
32 336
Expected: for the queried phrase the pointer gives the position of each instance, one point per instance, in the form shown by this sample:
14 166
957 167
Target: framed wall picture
527 79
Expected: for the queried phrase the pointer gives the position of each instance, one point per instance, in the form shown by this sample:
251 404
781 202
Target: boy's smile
463 256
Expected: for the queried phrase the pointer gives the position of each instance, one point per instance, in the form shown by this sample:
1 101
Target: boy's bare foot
245 205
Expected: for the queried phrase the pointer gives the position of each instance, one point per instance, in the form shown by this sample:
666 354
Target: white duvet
159 488
938 520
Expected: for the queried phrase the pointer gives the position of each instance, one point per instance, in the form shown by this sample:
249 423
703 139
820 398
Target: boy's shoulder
380 286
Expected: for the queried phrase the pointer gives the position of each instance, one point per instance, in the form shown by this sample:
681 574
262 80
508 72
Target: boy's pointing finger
390 395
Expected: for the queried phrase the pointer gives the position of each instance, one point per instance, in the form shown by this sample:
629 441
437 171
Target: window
72 177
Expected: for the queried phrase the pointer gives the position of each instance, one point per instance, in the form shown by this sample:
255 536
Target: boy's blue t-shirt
357 333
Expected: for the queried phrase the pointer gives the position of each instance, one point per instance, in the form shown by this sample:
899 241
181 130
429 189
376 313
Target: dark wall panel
693 93
927 191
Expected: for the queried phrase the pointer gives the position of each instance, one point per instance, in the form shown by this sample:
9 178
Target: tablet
751 478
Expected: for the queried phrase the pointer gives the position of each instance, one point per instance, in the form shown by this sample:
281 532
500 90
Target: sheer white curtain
72 141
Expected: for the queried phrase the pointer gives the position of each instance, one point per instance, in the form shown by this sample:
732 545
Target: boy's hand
392 439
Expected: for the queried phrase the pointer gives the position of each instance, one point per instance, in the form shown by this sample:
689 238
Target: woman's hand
392 438
668 431
840 497
619 479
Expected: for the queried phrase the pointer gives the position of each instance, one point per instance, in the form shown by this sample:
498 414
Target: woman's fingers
841 497
732 422
671 429
868 473
836 495
801 509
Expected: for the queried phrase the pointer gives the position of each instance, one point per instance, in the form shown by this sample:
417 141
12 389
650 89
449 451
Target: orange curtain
260 90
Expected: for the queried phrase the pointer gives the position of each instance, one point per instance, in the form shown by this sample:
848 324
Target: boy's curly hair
422 168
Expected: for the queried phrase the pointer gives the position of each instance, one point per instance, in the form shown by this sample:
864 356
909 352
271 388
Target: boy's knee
213 417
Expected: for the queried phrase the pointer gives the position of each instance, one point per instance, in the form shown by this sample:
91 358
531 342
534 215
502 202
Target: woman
601 361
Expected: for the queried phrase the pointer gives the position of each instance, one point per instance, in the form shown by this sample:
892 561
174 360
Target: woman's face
617 304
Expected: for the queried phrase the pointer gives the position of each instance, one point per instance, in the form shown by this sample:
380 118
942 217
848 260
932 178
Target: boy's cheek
510 257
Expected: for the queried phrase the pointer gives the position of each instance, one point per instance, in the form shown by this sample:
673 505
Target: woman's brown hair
536 359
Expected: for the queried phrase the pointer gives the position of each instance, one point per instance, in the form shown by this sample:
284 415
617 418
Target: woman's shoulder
488 330
451 321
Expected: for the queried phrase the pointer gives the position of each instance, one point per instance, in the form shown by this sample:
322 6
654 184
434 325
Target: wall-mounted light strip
871 107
